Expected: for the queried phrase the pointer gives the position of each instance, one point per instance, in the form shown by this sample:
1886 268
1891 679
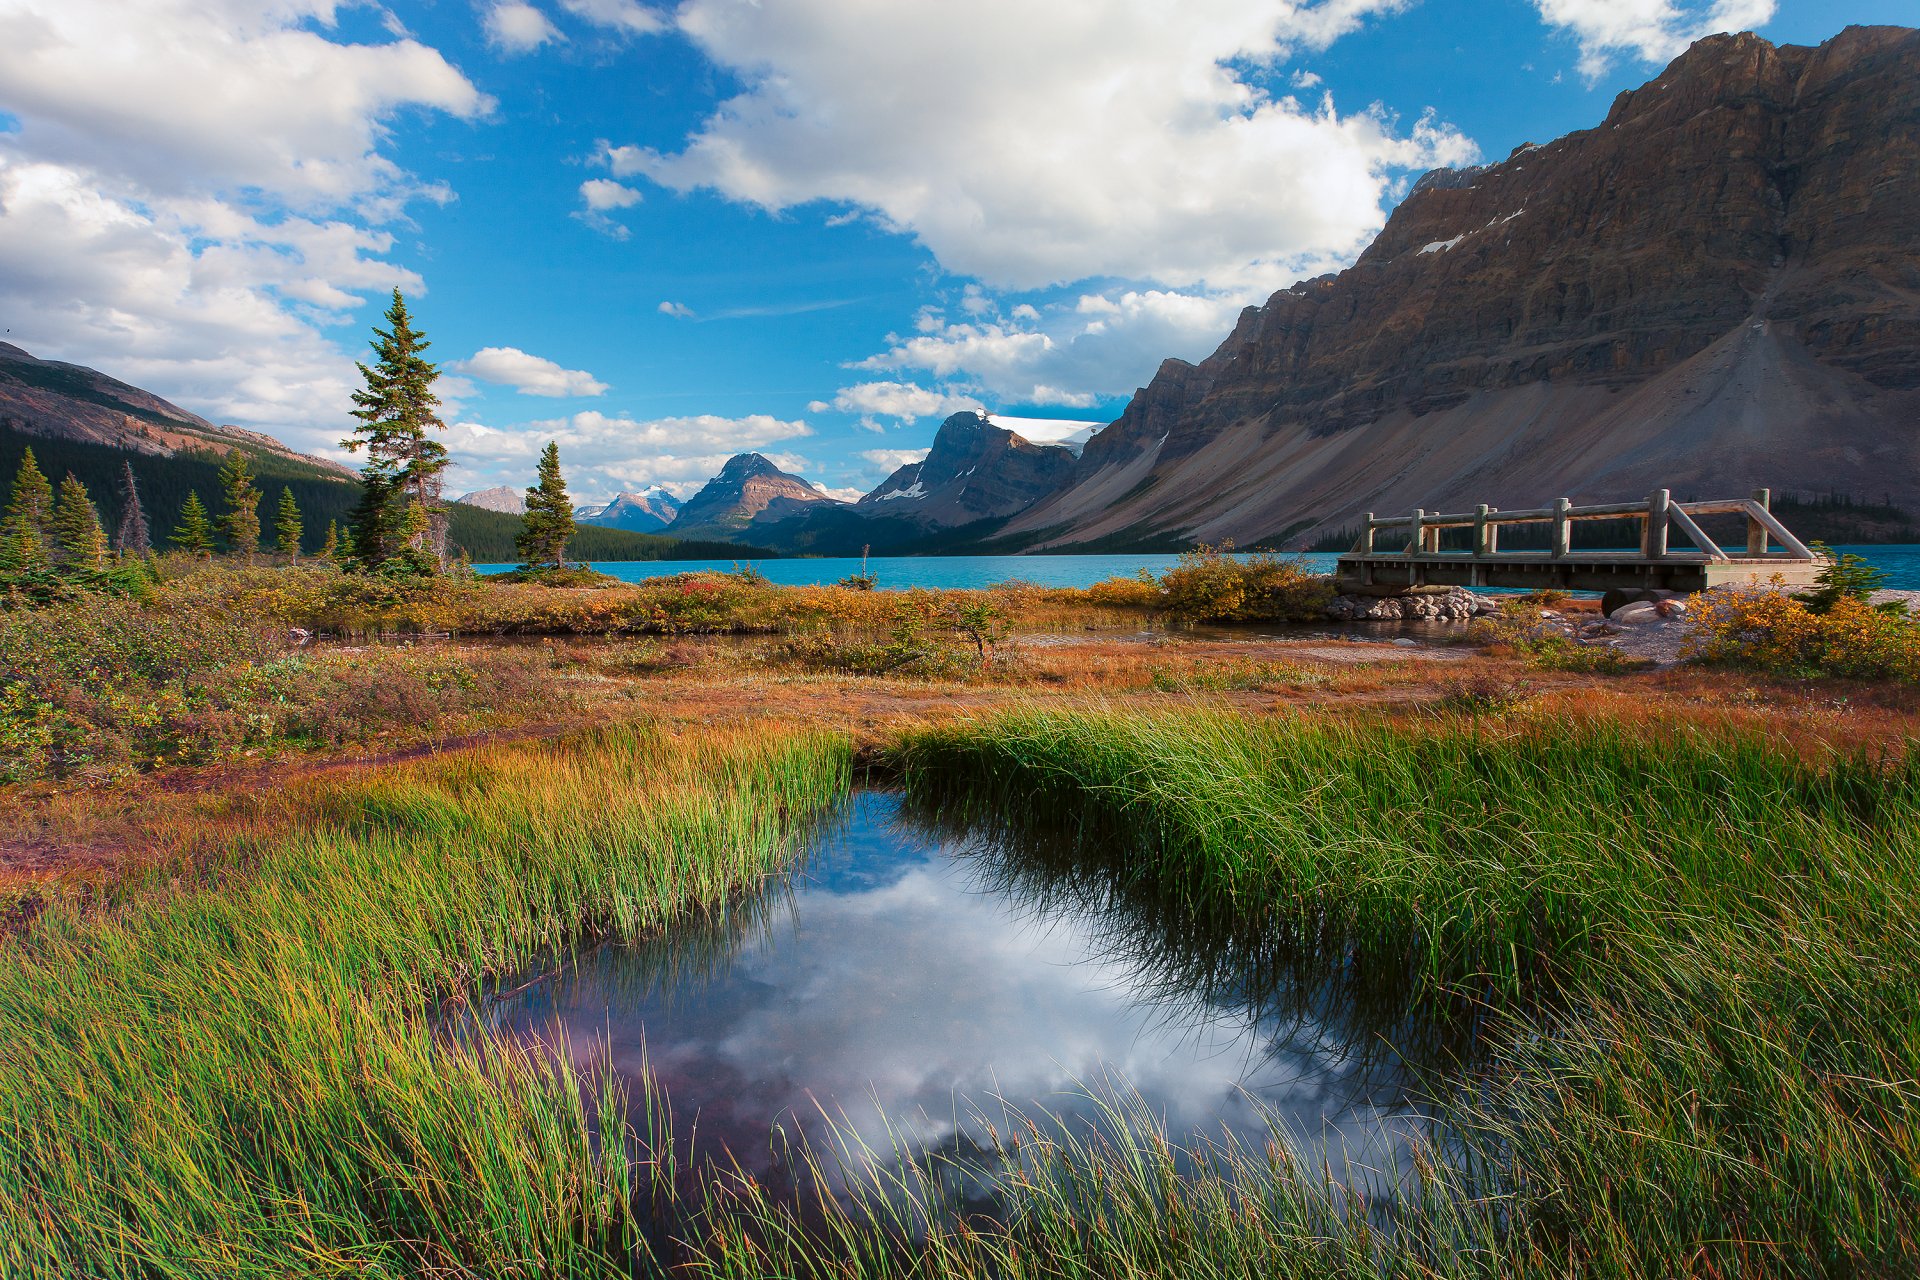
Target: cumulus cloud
1652 30
1069 356
143 233
605 454
514 26
530 375
905 402
1126 139
889 461
602 194
625 16
678 310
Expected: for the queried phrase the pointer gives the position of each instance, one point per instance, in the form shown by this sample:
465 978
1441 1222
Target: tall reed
246 1079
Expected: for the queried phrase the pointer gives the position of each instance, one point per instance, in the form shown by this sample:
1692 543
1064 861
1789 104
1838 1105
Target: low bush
1767 630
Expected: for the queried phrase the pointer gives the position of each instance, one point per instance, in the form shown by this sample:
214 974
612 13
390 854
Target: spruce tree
131 537
287 527
76 527
26 531
404 462
241 521
195 534
330 548
549 520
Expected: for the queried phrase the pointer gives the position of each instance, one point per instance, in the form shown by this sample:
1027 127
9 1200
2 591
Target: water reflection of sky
889 987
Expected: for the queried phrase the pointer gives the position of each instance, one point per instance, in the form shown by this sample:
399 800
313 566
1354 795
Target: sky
813 228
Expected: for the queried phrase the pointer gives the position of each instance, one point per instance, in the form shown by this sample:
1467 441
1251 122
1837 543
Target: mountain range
1716 288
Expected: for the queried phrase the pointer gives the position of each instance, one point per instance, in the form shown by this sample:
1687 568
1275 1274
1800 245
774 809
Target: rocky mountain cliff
72 403
750 490
502 498
648 511
975 471
1715 289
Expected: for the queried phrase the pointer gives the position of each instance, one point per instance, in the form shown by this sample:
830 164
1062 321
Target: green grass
243 1078
1689 959
1696 953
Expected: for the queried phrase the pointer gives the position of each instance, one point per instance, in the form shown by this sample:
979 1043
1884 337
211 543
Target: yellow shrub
1772 631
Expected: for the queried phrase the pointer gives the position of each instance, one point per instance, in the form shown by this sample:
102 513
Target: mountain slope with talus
1716 289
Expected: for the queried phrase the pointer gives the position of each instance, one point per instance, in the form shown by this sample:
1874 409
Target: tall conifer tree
131 537
76 527
404 462
549 520
241 520
26 532
287 526
195 532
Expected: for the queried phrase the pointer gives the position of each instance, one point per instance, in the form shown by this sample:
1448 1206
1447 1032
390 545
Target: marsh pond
912 992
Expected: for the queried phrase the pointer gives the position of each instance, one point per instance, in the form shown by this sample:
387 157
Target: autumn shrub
1210 584
1767 630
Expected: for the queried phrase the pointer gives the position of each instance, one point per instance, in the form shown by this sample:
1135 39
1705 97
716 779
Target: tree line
397 528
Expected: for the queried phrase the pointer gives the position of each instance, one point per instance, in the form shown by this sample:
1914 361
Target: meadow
1648 934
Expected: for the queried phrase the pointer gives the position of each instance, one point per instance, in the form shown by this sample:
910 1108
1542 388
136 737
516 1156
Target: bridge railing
1419 534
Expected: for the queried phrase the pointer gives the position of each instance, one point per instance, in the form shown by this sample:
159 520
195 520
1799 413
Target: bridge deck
1363 573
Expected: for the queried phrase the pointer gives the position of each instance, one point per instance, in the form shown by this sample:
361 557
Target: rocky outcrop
648 511
750 489
501 498
1456 604
974 471
58 401
1717 286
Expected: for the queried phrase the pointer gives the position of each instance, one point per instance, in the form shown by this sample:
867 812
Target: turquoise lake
896 573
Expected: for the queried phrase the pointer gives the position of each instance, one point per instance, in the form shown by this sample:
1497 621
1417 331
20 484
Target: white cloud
606 454
530 375
1102 345
891 460
602 194
1124 142
620 15
1654 31
678 310
143 233
514 26
905 402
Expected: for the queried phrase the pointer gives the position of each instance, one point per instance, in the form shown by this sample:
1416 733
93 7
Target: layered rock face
502 498
1717 288
750 489
72 402
975 471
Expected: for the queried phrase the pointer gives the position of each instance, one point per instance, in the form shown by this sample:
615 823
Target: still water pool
1900 563
914 986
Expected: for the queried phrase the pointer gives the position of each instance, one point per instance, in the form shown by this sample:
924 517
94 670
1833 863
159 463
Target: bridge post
1366 534
1655 542
1562 528
1481 528
1757 532
1417 535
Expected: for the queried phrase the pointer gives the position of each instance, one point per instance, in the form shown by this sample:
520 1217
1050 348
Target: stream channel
910 989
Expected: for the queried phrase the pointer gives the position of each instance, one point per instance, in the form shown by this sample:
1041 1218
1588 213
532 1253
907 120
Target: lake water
1901 564
910 985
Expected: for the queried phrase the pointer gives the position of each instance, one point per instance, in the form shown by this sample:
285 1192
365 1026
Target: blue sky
809 227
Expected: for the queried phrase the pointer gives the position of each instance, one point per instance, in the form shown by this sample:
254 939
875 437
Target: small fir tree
76 527
330 546
26 532
549 520
241 521
195 533
287 527
404 462
131 537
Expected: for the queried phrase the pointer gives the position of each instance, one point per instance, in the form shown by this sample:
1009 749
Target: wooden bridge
1410 555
